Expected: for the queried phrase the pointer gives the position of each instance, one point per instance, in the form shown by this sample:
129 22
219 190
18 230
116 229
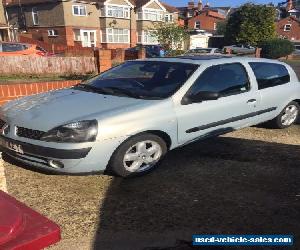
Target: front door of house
88 38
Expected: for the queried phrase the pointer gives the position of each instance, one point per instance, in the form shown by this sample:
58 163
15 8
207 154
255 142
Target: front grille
2 123
29 133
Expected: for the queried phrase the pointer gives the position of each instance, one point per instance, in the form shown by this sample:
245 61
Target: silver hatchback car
127 118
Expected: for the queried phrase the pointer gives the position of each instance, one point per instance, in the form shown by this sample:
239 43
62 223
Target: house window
168 18
197 25
152 15
287 27
52 33
215 26
147 37
77 36
115 36
117 11
35 16
79 10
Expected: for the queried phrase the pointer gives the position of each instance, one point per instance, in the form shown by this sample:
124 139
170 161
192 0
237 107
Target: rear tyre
138 155
288 116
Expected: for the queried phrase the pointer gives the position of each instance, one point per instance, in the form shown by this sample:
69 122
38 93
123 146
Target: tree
251 24
170 35
221 28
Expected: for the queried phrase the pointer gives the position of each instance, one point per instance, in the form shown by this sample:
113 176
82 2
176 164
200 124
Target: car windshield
141 79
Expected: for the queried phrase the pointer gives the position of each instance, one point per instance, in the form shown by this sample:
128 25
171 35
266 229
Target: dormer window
79 10
151 15
287 27
117 11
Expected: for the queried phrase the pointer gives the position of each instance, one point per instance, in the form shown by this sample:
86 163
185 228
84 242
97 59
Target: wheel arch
165 136
298 101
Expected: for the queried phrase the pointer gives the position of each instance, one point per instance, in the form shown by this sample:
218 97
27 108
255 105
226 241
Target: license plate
12 146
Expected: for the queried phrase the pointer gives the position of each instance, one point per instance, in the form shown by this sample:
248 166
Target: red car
22 49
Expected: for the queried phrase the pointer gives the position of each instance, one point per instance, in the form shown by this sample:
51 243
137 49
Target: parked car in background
297 50
130 116
204 51
241 49
152 51
22 49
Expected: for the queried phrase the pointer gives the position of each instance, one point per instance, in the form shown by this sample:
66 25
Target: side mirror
201 96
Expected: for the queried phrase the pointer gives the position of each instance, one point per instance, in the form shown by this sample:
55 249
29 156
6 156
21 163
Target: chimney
289 5
207 5
200 6
191 5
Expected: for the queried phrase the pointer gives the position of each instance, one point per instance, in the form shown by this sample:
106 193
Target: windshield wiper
120 91
90 88
113 91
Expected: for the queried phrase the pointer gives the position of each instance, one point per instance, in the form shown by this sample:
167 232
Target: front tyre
287 117
138 155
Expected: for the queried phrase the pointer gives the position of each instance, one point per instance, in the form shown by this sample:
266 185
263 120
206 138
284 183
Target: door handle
251 101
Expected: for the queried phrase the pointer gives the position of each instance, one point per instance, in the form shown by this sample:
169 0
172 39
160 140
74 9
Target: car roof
203 59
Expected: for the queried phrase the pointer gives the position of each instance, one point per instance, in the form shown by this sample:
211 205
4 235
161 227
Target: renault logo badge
5 129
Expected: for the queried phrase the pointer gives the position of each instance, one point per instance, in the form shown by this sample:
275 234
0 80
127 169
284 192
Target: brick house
61 22
99 23
207 20
289 28
148 14
192 10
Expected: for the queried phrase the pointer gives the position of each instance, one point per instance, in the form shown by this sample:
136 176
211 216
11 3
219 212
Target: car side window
11 47
269 74
226 79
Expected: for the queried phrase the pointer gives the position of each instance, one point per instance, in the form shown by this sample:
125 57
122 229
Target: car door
235 108
272 81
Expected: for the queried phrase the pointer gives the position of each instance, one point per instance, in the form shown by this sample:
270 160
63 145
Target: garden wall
12 91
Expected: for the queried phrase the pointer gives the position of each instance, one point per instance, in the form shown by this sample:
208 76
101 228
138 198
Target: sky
232 3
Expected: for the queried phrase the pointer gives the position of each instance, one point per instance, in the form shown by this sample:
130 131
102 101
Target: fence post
120 55
258 52
103 59
142 53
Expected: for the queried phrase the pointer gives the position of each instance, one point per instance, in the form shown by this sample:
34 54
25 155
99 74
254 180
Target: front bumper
40 156
90 158
29 149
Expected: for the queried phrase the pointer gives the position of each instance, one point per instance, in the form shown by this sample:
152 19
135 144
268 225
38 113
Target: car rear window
270 74
12 47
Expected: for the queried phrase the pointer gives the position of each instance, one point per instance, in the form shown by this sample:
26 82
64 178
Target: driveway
246 182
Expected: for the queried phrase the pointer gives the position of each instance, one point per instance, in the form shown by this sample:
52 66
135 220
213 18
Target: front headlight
81 131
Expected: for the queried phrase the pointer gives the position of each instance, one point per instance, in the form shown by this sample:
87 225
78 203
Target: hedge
276 48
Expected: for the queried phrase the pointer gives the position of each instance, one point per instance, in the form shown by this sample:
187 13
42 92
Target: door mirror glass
201 96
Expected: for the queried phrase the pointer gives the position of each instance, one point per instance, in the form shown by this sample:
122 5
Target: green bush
171 53
276 48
